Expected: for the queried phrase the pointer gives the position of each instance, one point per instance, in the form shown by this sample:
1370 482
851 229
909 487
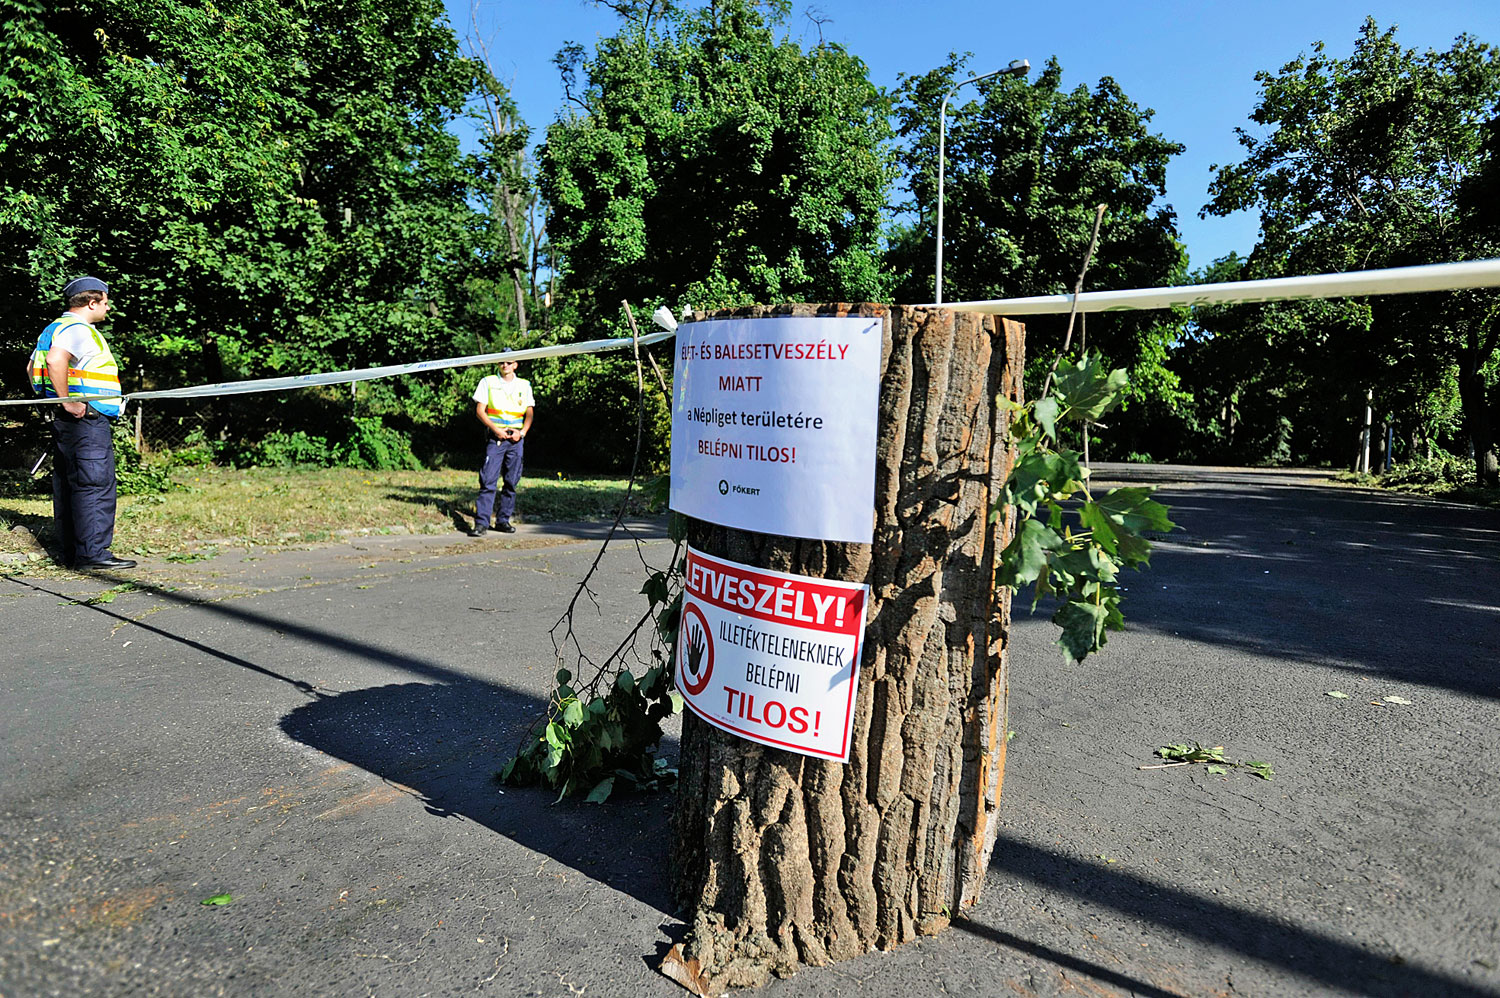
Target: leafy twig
607 727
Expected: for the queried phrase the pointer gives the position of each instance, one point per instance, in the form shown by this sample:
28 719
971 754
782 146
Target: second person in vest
504 406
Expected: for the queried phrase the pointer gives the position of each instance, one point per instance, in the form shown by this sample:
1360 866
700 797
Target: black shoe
505 528
478 530
111 563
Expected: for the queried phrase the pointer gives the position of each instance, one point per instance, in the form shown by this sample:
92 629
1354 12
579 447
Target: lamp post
1018 67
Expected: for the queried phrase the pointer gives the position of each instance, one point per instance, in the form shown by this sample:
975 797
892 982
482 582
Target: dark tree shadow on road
1407 589
444 742
1342 965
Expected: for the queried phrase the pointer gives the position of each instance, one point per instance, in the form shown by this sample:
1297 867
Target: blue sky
1193 62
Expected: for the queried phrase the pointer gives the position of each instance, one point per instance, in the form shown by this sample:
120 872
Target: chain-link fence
164 425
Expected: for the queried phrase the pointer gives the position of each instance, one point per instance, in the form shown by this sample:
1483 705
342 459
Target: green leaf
1093 517
1025 557
676 701
1191 752
625 681
1045 411
1088 389
1400 700
655 590
1082 628
572 713
601 791
1217 770
1135 510
564 677
217 899
1260 769
1337 695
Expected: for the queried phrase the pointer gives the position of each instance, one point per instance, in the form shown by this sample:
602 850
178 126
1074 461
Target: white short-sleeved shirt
79 339
505 402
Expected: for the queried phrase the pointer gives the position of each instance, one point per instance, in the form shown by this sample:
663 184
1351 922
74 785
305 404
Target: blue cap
79 285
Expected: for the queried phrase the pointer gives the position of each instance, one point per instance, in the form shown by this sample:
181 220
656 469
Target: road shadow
1341 965
442 739
1405 588
445 742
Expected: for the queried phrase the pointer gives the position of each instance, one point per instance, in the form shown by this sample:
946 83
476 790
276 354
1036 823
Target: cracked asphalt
315 733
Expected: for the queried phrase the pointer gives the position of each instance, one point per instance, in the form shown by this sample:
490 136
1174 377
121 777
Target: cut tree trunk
781 859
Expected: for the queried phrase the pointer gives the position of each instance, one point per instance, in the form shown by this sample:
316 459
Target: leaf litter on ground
1189 753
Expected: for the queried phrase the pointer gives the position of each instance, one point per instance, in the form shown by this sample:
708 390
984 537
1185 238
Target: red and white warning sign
771 657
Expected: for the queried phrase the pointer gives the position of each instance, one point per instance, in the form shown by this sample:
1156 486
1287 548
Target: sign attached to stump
773 425
771 657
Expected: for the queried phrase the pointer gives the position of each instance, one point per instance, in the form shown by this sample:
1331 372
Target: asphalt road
315 733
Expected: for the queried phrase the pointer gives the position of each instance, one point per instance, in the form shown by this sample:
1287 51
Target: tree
513 200
269 186
1027 162
1361 165
783 859
709 162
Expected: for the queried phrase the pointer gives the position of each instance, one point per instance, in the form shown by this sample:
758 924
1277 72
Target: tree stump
781 859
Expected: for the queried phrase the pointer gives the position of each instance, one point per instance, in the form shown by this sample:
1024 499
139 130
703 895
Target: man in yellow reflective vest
72 358
504 406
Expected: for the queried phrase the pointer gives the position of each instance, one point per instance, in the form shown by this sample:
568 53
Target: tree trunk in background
782 859
1473 396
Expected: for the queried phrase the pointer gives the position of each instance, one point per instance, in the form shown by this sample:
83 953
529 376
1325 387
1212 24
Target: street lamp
1018 67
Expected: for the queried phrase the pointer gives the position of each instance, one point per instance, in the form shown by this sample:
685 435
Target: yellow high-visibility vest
101 375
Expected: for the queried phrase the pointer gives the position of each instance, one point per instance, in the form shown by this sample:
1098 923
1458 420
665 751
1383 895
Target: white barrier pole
1390 281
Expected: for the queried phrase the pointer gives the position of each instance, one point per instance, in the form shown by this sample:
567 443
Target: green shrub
134 476
1444 472
365 442
196 451
279 449
586 415
377 447
18 483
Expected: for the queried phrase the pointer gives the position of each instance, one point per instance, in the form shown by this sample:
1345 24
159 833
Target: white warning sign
771 657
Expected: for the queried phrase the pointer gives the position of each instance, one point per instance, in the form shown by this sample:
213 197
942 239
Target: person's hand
76 409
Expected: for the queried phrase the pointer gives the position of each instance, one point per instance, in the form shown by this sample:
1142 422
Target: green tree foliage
1027 162
269 186
1268 383
710 162
1361 162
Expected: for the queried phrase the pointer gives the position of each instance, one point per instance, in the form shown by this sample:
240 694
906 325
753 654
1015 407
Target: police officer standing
72 358
504 405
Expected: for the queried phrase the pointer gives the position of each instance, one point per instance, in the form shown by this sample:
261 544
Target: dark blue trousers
502 464
83 486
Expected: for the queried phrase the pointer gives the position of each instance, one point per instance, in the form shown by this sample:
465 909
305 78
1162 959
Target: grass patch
295 506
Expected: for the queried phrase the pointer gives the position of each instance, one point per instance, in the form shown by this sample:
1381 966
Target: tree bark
781 859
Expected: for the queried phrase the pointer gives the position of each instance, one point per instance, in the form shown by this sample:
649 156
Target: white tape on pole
362 374
1391 281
